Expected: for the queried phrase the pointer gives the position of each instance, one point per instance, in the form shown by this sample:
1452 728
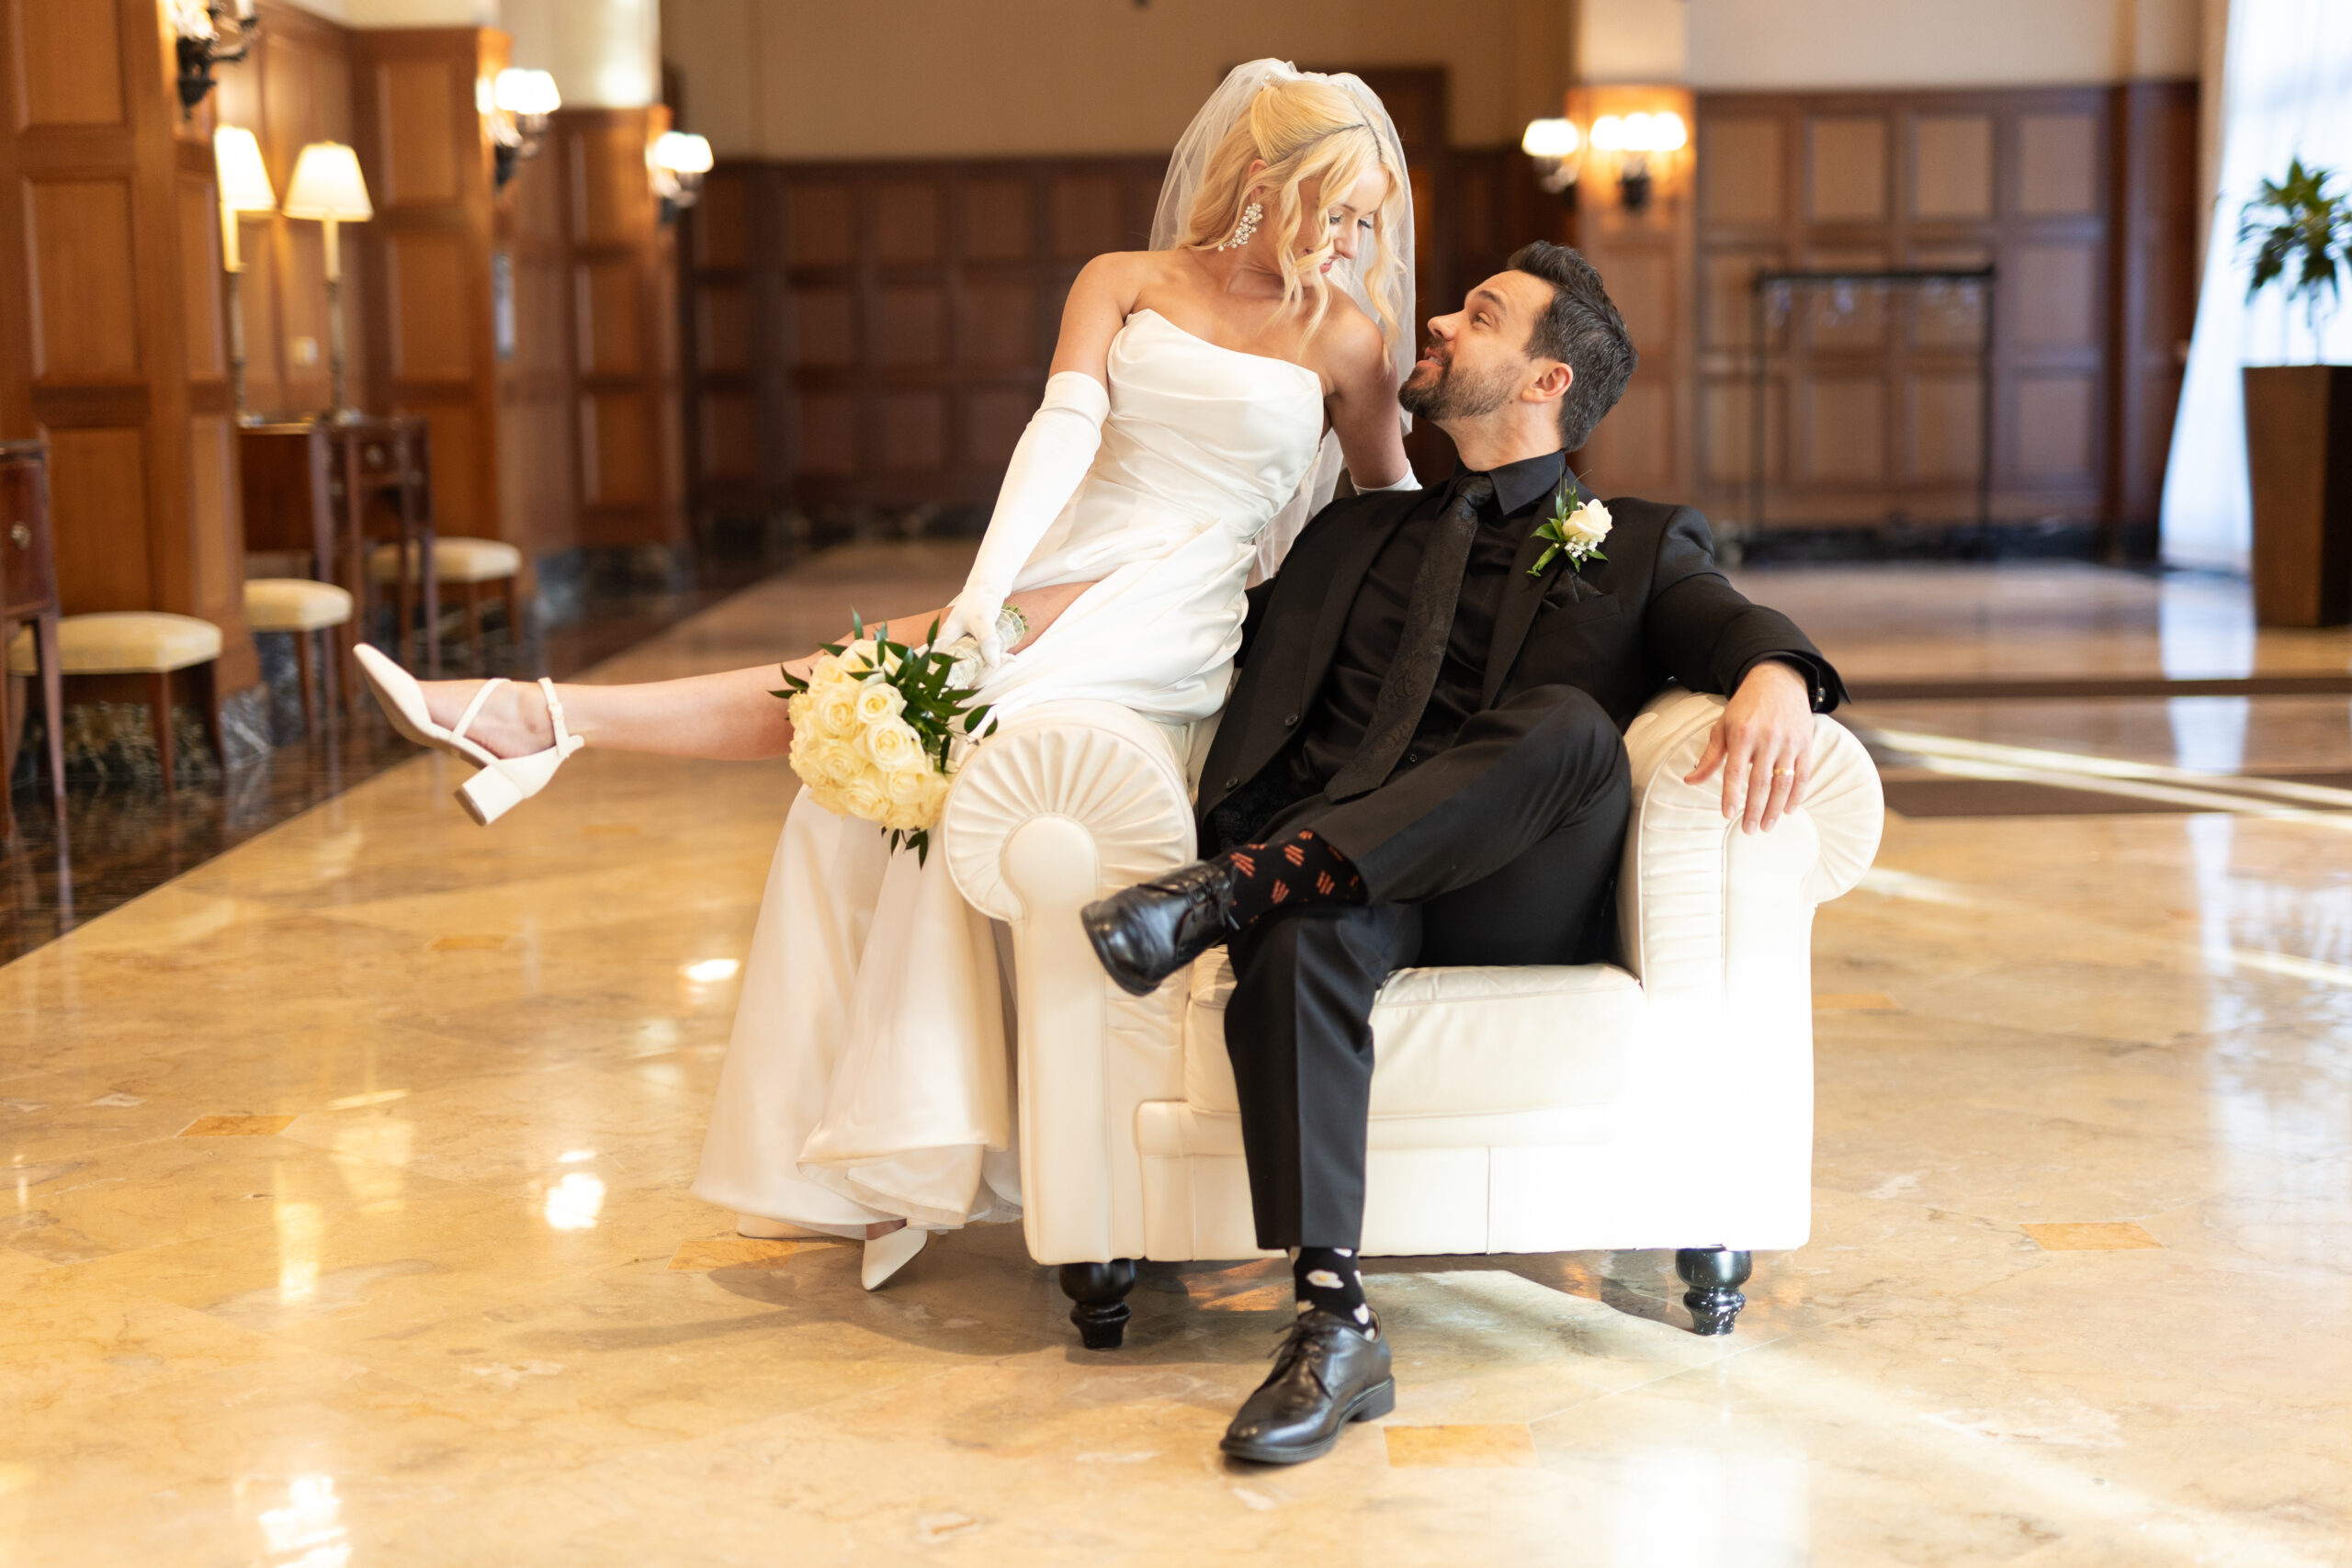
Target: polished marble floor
348 1222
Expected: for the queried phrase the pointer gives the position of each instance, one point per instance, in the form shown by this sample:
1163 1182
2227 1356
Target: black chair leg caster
1098 1292
1714 1275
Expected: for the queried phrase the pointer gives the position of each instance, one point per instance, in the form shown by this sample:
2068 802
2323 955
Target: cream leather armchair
1665 1101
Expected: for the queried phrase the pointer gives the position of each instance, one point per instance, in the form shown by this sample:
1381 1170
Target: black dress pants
1499 850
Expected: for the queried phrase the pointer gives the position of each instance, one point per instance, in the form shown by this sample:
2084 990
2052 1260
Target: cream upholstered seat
294 604
123 642
454 560
301 607
465 565
1664 1100
153 643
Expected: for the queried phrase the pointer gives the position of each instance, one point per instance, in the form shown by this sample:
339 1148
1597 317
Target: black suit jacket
1657 610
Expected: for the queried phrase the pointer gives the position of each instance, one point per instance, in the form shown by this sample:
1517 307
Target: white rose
1589 523
878 700
834 712
836 762
827 671
907 786
861 797
909 818
893 746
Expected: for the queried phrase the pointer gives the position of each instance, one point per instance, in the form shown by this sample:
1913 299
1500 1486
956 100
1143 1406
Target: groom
1422 764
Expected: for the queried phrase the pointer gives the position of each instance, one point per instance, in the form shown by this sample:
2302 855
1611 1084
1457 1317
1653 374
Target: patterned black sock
1300 869
1328 1277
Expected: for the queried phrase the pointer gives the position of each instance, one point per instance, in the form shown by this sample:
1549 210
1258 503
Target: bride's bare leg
729 717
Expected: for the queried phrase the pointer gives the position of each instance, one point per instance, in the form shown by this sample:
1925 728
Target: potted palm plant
2299 417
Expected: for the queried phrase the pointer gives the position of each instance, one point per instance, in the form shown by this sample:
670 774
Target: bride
1201 397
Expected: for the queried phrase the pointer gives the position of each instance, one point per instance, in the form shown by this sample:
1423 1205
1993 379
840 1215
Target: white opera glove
1411 481
1048 465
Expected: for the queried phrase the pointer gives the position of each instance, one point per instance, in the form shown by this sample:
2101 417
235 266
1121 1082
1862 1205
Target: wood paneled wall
621 266
114 345
1872 402
296 89
877 333
431 344
880 333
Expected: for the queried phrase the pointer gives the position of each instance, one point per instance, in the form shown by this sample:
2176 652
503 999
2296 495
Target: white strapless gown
869 1073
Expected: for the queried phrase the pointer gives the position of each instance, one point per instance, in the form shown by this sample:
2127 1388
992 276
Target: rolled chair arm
1678 923
1063 805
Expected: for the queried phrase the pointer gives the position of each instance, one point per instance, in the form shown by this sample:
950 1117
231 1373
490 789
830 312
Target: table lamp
245 187
327 185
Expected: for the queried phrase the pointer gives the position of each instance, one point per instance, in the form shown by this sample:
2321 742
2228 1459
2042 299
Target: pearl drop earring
1251 216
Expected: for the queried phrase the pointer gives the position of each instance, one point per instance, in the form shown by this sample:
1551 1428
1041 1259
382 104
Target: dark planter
2299 454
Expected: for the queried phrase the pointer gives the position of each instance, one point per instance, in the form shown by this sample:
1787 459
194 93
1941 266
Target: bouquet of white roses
875 728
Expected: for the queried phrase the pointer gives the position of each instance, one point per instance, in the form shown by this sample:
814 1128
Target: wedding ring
1782 772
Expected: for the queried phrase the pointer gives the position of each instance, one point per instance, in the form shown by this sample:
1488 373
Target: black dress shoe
1145 934
1327 1374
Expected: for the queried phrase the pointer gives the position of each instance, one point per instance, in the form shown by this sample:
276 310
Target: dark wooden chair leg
207 695
1714 1275
12 723
473 625
513 590
159 702
329 644
407 612
302 673
1099 1294
52 710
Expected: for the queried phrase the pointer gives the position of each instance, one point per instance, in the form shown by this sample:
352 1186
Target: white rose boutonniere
1574 534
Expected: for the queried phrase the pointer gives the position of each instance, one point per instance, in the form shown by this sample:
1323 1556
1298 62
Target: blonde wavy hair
1305 130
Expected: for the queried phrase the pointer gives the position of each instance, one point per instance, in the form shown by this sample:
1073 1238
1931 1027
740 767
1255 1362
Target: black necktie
1421 649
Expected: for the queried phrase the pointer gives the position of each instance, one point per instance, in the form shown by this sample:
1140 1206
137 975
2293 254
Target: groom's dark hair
1583 331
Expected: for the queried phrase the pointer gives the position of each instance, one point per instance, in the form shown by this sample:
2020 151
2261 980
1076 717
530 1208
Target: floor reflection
342 1209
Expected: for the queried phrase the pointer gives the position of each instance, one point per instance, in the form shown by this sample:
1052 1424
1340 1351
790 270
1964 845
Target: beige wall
821 79
917 78
603 53
1930 43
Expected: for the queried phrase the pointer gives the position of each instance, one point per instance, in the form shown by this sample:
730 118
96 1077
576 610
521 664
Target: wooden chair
116 648
467 566
304 609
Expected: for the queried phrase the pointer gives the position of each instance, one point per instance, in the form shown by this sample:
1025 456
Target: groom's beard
1451 394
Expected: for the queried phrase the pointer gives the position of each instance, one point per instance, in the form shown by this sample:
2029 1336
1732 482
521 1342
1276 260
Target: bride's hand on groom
1763 744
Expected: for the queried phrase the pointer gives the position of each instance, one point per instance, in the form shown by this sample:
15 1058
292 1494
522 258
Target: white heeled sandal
503 781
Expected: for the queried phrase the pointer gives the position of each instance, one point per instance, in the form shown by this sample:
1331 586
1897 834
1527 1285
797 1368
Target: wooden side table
28 592
324 490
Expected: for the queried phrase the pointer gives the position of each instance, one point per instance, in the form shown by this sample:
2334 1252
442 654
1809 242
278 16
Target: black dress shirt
1376 620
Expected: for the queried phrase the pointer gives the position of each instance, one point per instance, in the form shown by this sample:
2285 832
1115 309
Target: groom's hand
1764 745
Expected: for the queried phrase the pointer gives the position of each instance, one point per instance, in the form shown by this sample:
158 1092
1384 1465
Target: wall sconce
679 160
518 107
245 187
1557 147
202 42
1634 139
327 185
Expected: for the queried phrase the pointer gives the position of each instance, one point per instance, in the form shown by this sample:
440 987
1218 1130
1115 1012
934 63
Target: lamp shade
526 91
244 181
682 153
327 184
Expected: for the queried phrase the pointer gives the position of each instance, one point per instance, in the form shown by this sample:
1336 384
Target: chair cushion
454 560
1457 1042
294 604
122 642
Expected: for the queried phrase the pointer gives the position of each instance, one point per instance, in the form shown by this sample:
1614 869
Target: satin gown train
868 1076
